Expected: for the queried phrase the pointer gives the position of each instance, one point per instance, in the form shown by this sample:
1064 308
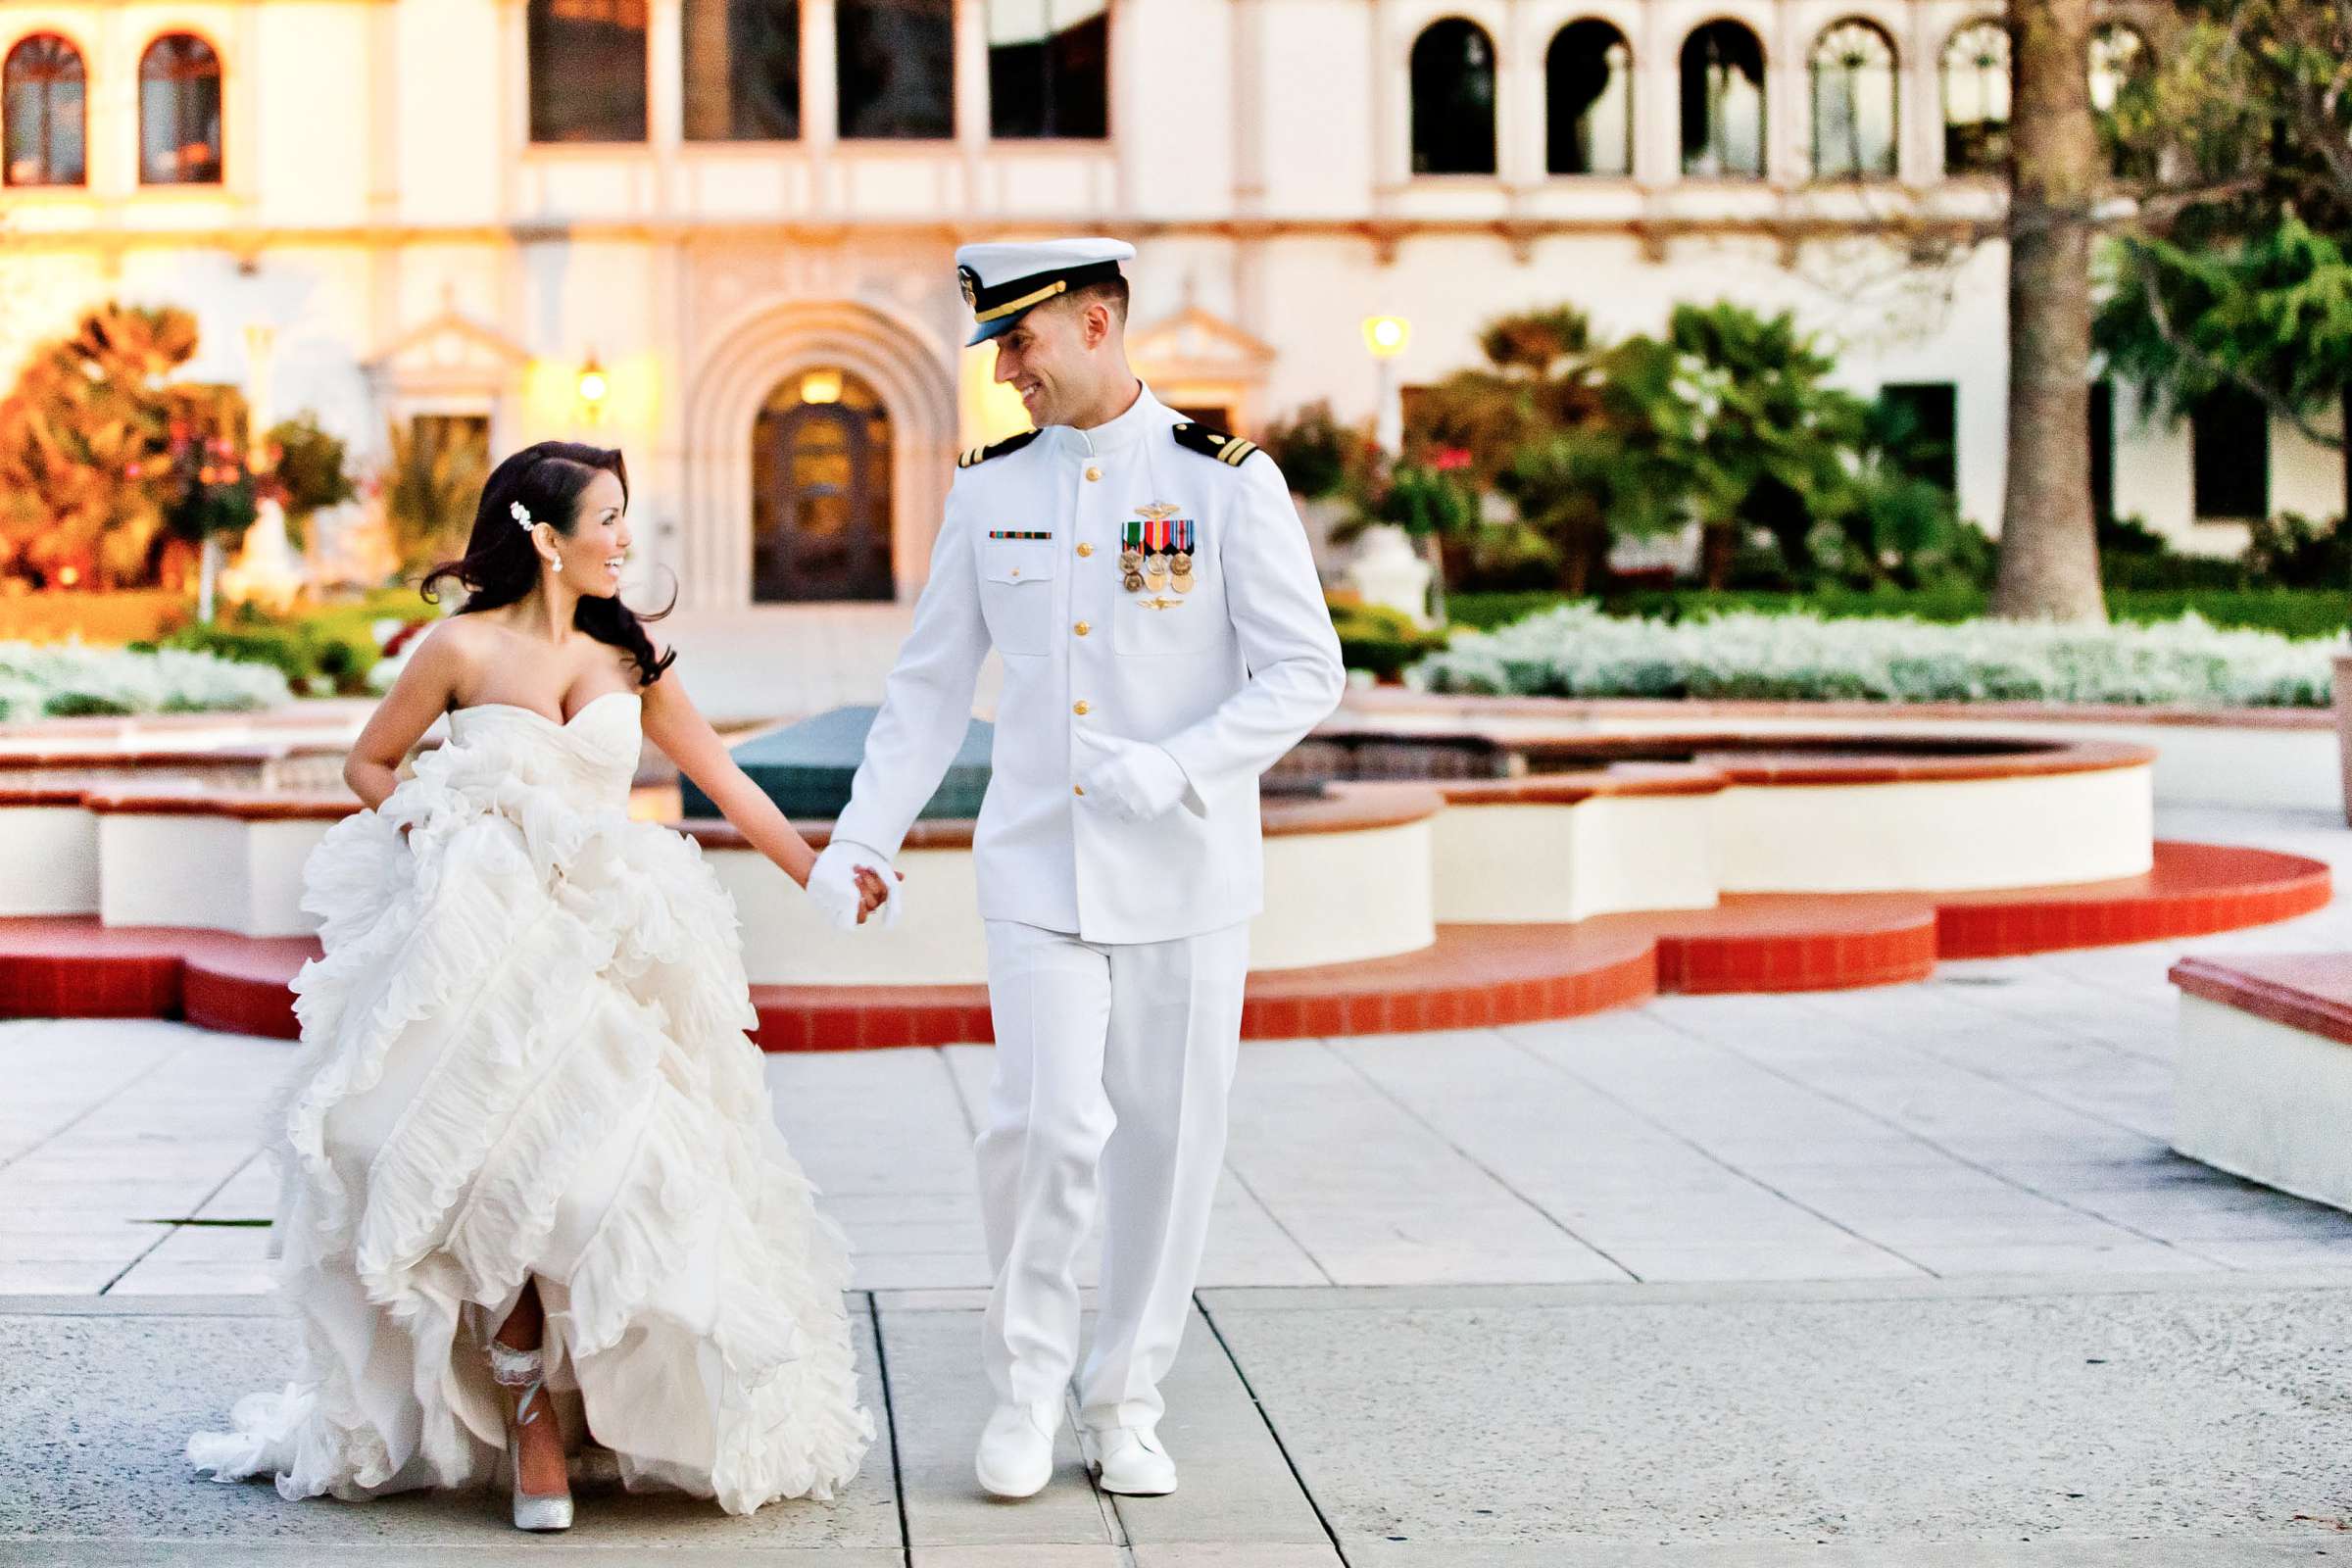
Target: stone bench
2263 1082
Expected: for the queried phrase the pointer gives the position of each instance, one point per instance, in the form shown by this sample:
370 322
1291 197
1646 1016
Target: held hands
850 882
1134 781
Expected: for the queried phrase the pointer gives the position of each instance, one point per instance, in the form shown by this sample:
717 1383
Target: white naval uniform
1117 950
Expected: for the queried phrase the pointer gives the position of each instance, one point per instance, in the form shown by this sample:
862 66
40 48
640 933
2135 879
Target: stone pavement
1895 1276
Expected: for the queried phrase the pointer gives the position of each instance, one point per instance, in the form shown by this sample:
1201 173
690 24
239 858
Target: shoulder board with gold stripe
1230 449
1011 443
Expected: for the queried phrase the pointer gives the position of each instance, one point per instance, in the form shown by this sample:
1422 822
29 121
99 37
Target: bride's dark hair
500 566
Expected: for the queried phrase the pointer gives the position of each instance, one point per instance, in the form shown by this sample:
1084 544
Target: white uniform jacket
1225 678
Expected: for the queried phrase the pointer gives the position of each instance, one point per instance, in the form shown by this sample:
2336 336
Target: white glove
833 884
1134 781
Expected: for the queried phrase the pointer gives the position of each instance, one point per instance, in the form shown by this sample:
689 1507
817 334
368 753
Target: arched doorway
821 491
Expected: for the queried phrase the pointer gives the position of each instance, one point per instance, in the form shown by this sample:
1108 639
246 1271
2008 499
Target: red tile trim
248 805
2191 889
1473 974
40 793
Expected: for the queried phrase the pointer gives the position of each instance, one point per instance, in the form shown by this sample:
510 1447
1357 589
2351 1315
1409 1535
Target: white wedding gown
524 1057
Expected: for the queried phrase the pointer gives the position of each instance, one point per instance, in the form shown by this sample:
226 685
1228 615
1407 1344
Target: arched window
1976 99
43 113
1453 99
587 64
743 69
2120 61
1588 101
1048 68
180 112
897 61
1723 102
820 490
1853 102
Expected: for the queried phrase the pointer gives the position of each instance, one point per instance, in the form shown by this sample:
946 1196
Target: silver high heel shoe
526 1370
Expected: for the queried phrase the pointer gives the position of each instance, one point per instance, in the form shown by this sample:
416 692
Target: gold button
1084 550
1094 473
1077 789
1082 628
1016 571
1079 709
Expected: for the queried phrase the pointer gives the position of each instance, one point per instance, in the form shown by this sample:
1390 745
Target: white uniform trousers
1115 1063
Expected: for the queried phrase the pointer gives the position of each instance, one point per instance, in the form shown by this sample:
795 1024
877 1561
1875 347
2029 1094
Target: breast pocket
1016 593
1163 620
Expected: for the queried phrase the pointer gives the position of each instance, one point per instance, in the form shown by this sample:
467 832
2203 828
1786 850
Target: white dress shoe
1016 1453
1129 1461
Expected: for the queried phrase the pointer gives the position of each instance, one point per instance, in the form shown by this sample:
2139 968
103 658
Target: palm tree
2049 558
432 474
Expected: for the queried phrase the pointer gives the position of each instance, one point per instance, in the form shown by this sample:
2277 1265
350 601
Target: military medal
1131 555
1156 553
1181 565
1158 539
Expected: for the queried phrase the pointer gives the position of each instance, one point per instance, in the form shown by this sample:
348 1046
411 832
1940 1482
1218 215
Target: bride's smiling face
589 557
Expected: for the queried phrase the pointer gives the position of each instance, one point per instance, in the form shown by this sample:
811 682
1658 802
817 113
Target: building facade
718 233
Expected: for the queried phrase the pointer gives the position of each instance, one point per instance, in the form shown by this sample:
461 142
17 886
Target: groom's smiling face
1051 359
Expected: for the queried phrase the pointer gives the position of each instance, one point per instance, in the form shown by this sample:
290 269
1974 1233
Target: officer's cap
1003 282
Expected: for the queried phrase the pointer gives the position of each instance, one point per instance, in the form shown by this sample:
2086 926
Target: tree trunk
2344 431
1433 551
1718 542
2050 559
208 577
1585 560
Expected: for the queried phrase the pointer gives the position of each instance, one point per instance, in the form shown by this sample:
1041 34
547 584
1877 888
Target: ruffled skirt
524 1060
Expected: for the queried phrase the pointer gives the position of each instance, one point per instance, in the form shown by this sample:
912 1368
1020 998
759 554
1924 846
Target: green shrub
2291 551
62 679
1575 651
334 644
2291 611
1380 640
1312 449
284 649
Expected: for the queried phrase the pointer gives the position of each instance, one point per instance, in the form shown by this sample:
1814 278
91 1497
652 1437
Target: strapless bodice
593 753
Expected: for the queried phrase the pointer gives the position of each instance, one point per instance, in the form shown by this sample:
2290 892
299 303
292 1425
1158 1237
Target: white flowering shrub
1575 651
61 679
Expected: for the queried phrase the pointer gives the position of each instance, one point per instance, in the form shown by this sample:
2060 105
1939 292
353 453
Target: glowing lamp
821 386
593 384
1387 335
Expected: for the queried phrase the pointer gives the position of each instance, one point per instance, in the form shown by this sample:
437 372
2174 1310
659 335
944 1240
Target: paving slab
95 1407
940 1400
570 1547
1236 1491
2066 1552
1905 1417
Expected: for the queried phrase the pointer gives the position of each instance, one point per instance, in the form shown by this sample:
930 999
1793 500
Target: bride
534 1199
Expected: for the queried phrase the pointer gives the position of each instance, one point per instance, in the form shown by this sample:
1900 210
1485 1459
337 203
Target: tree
307 471
1529 424
430 480
2245 285
1535 382
88 478
1744 417
2269 314
1893 523
2049 559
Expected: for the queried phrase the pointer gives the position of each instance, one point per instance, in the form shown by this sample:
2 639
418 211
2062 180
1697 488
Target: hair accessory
522 515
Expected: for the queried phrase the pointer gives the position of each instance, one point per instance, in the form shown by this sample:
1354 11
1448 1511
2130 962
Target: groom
1148 587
